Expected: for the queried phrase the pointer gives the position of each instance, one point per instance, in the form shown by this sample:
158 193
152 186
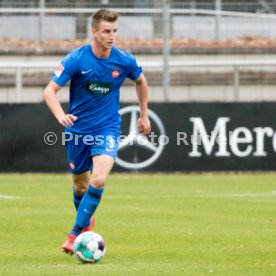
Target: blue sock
87 207
77 198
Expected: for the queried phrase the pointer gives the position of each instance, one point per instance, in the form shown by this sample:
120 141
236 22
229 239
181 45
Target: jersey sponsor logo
97 88
115 73
59 70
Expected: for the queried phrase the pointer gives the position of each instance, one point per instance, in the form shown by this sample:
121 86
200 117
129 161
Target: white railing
138 11
165 12
235 65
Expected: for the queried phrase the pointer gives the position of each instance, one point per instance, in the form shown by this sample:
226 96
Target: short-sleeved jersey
94 86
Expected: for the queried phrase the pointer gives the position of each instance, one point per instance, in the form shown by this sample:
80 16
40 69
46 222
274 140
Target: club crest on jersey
59 70
97 88
115 73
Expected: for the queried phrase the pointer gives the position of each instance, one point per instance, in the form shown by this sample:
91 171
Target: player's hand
144 125
67 120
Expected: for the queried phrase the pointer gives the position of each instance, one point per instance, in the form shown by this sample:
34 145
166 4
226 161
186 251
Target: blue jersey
94 86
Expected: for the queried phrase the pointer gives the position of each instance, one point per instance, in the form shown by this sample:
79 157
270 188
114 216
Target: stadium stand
29 33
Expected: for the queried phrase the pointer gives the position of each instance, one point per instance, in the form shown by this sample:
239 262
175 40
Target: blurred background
190 50
197 51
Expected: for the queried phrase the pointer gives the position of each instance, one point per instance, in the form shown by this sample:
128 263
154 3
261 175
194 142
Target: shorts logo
115 73
99 88
71 164
59 70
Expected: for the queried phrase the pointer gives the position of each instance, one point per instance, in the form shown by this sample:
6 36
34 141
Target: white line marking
199 195
8 197
246 195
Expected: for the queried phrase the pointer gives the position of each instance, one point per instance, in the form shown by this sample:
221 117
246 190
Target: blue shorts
80 148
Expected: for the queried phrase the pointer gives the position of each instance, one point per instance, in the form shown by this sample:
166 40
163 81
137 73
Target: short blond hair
105 15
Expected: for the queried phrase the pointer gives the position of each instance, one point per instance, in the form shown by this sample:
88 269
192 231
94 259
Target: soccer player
96 71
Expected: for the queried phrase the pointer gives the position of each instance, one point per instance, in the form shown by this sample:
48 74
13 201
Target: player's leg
103 154
102 165
81 182
104 151
80 164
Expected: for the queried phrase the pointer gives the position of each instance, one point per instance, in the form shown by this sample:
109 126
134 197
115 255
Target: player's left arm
142 91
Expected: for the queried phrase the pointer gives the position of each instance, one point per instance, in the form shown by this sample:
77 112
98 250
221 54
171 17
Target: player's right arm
50 97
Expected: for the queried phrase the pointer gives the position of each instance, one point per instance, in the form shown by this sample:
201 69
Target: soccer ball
89 247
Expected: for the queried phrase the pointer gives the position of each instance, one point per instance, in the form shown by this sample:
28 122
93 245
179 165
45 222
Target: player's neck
100 52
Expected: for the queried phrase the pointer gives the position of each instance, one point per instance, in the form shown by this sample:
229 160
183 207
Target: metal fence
216 19
199 81
263 6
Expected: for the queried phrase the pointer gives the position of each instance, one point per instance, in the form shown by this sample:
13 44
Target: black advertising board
185 137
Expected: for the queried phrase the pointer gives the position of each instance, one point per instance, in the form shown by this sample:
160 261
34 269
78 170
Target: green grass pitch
208 224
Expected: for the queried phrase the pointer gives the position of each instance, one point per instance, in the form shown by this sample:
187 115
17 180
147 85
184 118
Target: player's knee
80 187
98 181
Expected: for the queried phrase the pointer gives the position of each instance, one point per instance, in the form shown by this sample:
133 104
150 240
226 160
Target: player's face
105 33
